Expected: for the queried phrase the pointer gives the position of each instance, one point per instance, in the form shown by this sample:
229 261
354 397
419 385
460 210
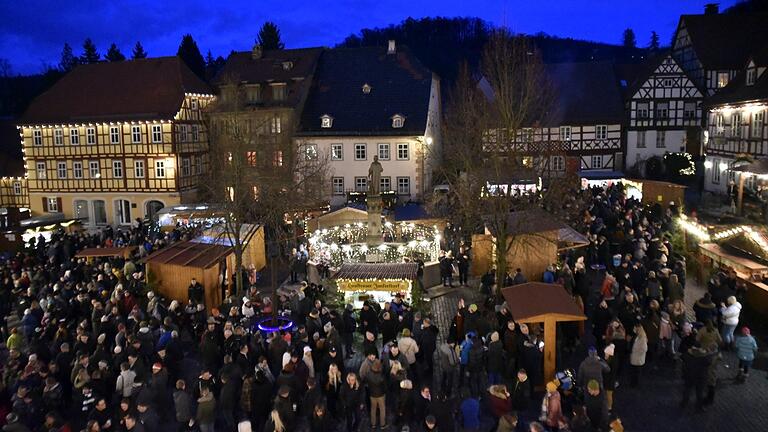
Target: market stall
173 267
375 282
536 302
112 252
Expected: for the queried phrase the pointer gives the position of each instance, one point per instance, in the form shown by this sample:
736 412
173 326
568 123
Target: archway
152 207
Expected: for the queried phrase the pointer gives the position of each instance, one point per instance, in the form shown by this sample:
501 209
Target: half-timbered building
712 48
665 112
737 124
112 142
583 132
373 102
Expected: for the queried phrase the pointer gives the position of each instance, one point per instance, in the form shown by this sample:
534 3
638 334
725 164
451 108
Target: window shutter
45 204
59 208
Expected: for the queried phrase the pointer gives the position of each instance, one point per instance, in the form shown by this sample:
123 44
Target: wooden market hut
536 302
658 192
536 237
340 217
173 268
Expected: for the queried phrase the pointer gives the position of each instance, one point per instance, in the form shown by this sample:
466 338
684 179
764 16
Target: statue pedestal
375 206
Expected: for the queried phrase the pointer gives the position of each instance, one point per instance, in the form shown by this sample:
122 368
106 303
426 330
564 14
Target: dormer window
751 76
287 65
398 121
366 88
279 91
326 121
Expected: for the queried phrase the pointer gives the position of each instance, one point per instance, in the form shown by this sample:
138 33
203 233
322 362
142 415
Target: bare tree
259 175
493 145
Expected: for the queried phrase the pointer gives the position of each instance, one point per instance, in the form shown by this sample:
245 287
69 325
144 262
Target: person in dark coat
182 402
389 328
597 406
496 359
696 362
352 398
227 402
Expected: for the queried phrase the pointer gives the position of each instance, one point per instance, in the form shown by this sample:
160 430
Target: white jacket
409 348
731 314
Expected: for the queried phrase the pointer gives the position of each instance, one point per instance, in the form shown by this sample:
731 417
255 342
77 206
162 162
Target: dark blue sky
33 31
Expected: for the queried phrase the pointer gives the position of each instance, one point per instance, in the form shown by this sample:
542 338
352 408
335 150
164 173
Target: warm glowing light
694 228
708 164
723 166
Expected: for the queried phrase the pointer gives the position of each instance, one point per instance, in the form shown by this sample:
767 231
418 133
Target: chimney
256 52
391 48
711 8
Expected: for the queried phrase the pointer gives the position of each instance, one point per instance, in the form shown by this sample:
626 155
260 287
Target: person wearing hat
206 410
147 414
551 408
746 347
592 368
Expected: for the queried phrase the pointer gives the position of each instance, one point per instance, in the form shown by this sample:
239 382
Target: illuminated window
337 152
310 152
37 137
77 170
736 124
52 204
17 188
58 137
251 158
277 159
383 151
138 169
722 79
326 121
276 126
719 124
758 122
74 136
157 133
565 133
90 135
751 73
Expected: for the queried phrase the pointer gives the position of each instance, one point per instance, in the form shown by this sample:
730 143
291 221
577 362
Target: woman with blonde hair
274 423
333 385
352 398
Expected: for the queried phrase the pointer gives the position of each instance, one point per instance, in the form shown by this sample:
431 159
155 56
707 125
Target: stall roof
190 254
759 166
531 221
105 252
532 301
569 238
402 271
601 175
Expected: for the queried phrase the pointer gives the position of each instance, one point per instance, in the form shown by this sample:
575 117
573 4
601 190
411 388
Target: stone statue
374 177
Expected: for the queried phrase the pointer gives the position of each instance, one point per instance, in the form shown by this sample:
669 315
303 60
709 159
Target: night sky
33 32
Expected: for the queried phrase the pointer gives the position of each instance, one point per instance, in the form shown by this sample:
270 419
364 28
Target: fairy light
697 230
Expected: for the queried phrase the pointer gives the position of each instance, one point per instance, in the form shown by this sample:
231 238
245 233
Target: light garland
348 243
697 230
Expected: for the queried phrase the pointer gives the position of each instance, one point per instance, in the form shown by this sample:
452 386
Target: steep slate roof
241 67
724 41
146 89
400 84
586 93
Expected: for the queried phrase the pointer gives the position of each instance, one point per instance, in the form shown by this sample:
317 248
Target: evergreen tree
138 51
114 54
68 60
209 59
654 44
90 55
269 37
628 39
190 53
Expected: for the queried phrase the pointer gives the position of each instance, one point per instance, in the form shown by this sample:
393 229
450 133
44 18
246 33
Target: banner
374 285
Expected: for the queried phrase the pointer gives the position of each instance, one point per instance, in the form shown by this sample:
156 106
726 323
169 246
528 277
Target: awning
569 238
377 271
601 175
106 252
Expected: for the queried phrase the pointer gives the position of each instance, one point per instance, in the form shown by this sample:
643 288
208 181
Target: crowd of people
88 346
